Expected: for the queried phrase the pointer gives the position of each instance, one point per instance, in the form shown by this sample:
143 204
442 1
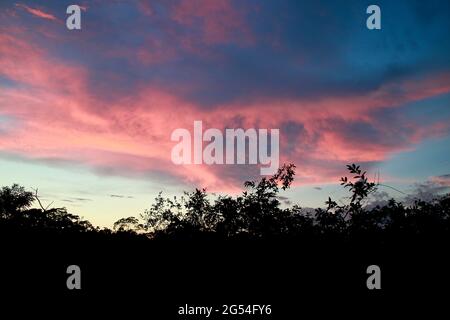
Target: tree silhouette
254 214
14 199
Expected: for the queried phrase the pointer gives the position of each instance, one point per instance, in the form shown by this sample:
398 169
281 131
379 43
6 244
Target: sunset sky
86 115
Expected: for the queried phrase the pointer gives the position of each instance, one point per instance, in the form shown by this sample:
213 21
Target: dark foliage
255 214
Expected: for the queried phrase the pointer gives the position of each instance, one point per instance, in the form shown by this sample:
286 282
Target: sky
86 115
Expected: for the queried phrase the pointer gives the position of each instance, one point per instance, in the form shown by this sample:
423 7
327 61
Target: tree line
257 213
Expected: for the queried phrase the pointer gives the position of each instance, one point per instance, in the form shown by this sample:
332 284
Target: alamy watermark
230 148
74 279
73 21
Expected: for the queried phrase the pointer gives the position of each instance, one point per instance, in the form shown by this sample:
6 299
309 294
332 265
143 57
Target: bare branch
39 201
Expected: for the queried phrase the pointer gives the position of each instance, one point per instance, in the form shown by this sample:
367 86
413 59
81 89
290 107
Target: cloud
378 198
82 199
75 199
218 21
430 189
58 118
37 12
120 196
111 106
442 180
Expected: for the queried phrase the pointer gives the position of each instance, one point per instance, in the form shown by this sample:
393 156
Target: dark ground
154 278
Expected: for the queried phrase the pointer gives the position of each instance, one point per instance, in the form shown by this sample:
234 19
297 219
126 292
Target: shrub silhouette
255 214
16 215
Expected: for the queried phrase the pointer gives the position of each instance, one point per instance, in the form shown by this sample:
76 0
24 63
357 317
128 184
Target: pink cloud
37 12
59 118
219 21
443 180
146 7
